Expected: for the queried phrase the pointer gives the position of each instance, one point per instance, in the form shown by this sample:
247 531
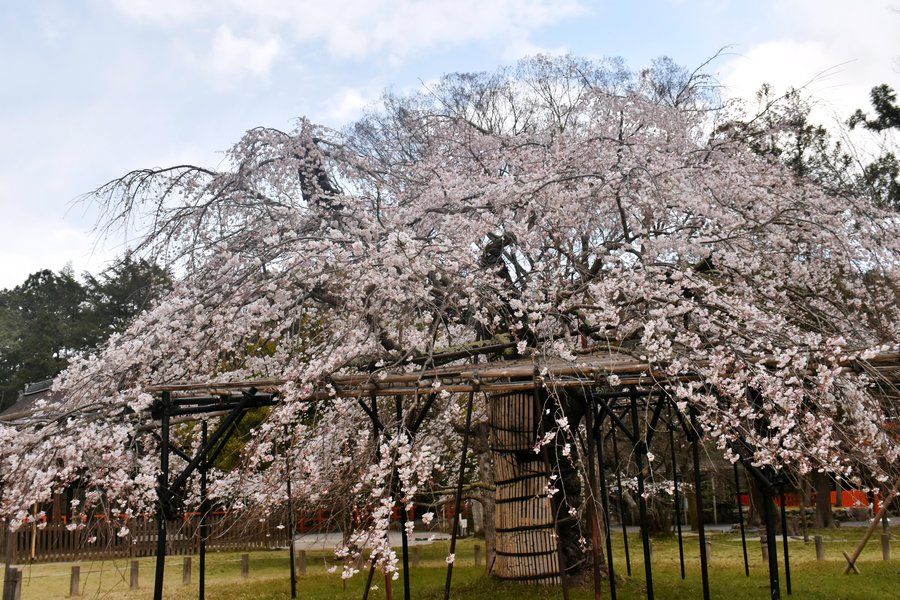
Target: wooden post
75 581
478 555
851 564
820 548
415 557
12 587
764 543
245 566
708 549
186 571
851 559
301 562
886 546
135 575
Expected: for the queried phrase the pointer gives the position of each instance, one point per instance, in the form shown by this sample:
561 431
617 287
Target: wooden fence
102 539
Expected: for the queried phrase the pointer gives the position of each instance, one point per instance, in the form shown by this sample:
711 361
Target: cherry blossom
559 206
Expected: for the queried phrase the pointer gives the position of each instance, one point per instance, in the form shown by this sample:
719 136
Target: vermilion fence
848 499
101 539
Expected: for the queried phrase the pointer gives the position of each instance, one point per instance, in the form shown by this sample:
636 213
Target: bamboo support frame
635 378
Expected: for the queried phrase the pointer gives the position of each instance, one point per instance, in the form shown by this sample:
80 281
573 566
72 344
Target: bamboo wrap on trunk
526 537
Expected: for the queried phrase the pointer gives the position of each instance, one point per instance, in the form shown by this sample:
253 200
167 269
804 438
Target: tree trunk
755 512
822 485
527 537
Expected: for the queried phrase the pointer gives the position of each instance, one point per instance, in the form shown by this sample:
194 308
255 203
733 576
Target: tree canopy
563 205
52 317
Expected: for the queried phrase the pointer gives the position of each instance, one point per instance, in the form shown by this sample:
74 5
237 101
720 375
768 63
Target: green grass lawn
268 580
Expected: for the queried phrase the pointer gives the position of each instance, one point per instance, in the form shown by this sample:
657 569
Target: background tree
51 317
43 329
881 176
781 128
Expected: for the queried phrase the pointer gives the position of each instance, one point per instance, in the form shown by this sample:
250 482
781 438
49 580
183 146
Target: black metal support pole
372 411
604 502
457 505
771 543
404 536
698 479
542 419
640 450
290 511
369 578
676 497
621 503
593 491
784 540
204 510
223 430
737 494
163 497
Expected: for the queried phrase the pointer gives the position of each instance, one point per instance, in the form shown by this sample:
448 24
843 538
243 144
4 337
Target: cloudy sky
93 88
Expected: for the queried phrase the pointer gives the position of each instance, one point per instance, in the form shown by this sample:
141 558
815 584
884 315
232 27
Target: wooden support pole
186 571
369 579
8 533
416 559
851 559
886 546
134 584
820 547
477 555
301 563
851 564
75 581
12 587
245 566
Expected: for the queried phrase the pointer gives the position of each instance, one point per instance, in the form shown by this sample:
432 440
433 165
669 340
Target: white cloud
838 50
359 28
232 56
518 49
33 246
345 106
165 12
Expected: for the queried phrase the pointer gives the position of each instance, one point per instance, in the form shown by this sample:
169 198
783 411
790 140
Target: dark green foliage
51 317
122 292
887 111
882 176
781 130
